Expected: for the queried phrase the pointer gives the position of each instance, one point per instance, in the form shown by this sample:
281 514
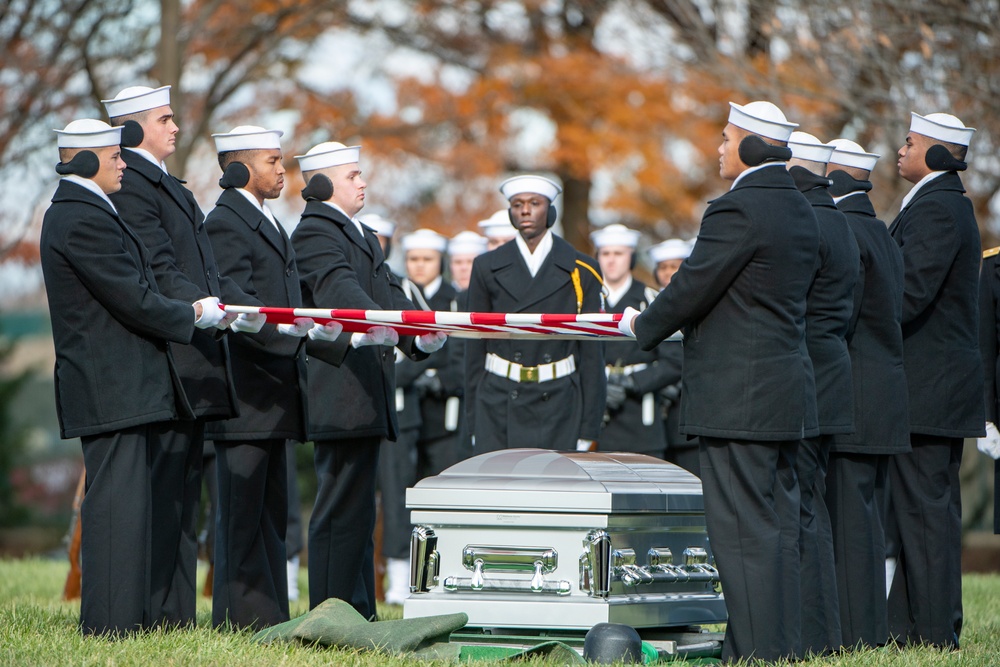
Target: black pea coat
989 343
624 430
501 413
432 408
110 325
340 268
829 306
164 214
269 369
939 238
876 341
741 301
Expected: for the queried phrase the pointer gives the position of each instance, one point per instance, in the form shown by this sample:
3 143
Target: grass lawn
36 628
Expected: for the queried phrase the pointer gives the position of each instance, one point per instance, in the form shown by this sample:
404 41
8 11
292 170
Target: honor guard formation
817 368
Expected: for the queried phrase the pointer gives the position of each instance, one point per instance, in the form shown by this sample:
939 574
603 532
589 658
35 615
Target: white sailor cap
943 127
248 138
761 118
671 249
497 226
807 147
849 154
382 226
532 184
88 133
615 235
424 239
135 99
467 243
328 154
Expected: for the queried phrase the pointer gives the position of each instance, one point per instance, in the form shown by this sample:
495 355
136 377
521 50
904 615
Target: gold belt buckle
529 373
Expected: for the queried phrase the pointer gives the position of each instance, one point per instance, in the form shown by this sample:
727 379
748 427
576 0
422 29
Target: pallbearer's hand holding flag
586 326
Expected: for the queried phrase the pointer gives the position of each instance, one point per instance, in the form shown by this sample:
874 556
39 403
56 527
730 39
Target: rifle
71 590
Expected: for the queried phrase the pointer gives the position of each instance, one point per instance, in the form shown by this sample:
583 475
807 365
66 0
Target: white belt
625 370
518 373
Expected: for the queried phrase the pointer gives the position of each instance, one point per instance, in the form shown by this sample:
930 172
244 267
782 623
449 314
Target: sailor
428 446
165 215
250 573
828 319
989 337
384 230
741 300
937 232
463 248
497 229
115 378
681 450
857 473
632 419
341 264
514 387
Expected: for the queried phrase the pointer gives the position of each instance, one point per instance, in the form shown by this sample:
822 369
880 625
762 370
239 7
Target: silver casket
531 538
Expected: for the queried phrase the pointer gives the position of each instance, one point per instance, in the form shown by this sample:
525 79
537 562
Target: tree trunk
168 66
576 212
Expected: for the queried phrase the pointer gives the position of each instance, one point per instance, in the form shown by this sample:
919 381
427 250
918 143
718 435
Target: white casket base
542 539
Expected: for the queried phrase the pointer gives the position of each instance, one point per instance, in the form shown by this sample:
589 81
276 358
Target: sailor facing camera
116 381
549 393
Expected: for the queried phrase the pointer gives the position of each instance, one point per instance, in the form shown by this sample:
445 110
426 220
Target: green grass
36 628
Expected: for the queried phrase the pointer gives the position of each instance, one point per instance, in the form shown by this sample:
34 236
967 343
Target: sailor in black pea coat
117 386
937 232
352 407
857 474
250 587
989 342
829 306
632 419
748 392
548 393
682 450
165 215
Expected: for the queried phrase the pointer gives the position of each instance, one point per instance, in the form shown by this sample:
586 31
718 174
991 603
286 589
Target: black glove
616 397
429 385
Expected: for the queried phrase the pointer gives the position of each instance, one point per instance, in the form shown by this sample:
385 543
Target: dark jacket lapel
255 220
551 276
322 210
154 174
946 181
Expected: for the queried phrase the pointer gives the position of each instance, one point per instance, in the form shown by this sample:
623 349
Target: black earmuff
843 183
939 158
85 164
319 188
754 151
236 175
550 216
132 134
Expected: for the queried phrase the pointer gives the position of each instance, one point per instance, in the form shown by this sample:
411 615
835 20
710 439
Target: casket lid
541 480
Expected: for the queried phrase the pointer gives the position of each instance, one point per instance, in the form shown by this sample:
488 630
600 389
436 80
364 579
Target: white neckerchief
837 200
534 259
357 223
615 295
149 156
431 288
750 170
916 188
90 185
260 207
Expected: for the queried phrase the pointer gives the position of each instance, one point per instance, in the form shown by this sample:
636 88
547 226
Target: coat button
513 395
547 358
288 271
545 396
517 356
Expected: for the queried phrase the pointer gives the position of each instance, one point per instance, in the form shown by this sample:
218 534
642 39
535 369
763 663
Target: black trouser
821 631
436 454
752 502
341 529
294 538
397 470
857 497
250 588
925 596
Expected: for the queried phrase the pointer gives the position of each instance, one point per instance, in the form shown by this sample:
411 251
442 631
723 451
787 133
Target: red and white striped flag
587 326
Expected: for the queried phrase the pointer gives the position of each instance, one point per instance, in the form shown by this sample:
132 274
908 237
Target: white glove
990 444
301 327
375 336
327 332
211 314
248 322
586 445
431 342
625 323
